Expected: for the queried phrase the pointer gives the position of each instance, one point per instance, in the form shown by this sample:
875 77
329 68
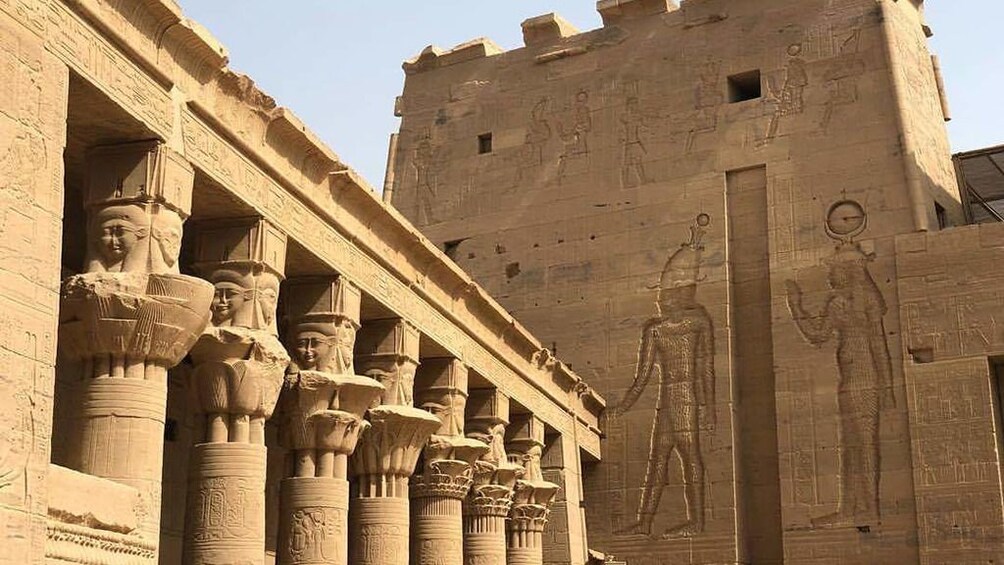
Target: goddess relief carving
852 317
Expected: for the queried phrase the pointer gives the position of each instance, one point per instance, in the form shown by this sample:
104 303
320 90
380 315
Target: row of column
426 489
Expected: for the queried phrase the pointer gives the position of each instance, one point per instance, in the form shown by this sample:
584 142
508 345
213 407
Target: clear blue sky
337 63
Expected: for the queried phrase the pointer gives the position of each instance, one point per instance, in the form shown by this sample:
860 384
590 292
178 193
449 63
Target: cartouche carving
130 317
679 344
854 316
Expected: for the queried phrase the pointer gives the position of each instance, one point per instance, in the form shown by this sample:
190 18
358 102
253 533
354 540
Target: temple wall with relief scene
697 206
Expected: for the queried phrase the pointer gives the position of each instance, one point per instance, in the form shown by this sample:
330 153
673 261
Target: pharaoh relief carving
538 133
852 318
678 345
707 98
842 77
574 133
426 163
633 123
788 99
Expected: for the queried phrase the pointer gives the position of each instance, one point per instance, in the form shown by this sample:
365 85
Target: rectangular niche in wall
745 86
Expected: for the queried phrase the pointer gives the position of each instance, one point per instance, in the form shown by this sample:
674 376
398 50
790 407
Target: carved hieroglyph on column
679 345
389 447
239 368
131 316
325 401
533 495
489 500
440 486
853 317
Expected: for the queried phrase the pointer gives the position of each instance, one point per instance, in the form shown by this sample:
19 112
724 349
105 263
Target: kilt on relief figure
678 344
852 317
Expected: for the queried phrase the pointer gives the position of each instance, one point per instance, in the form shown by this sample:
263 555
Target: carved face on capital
167 227
227 300
116 232
311 349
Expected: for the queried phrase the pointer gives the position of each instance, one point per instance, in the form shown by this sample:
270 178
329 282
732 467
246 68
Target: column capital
526 446
239 360
387 351
323 321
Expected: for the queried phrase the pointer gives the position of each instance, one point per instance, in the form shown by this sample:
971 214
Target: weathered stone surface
707 209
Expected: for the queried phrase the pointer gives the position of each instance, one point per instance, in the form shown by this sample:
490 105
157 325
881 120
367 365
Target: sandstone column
389 447
239 367
533 496
130 317
438 490
490 498
324 405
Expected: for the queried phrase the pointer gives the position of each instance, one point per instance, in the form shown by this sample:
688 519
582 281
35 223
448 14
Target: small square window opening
744 86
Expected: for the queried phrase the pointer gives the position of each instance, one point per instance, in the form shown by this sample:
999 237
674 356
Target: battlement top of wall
433 56
552 29
615 11
548 28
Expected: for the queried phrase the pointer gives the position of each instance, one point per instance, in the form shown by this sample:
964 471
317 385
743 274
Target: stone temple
703 286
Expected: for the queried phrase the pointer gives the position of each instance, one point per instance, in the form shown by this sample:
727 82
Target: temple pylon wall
729 216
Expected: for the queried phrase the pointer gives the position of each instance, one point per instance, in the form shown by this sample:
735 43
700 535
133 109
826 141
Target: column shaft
226 506
484 540
313 524
379 530
437 527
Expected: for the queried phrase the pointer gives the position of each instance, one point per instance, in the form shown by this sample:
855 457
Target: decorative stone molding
239 367
130 317
68 543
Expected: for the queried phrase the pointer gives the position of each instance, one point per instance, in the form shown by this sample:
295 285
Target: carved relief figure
707 98
427 175
842 77
632 163
575 139
21 163
852 317
537 135
313 538
679 345
789 99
